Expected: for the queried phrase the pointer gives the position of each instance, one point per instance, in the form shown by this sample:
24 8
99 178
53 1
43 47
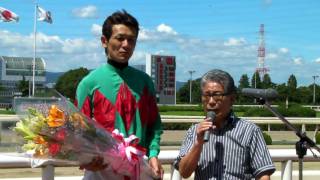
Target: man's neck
117 65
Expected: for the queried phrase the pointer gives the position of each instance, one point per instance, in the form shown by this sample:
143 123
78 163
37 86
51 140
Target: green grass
4 111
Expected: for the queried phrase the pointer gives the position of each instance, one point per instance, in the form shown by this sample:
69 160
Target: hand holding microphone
211 115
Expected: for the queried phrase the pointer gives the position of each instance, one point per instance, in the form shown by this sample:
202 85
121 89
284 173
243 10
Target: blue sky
202 34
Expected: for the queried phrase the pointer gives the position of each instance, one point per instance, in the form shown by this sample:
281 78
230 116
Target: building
15 69
162 70
140 67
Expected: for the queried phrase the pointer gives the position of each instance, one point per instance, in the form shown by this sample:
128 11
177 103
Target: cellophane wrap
59 131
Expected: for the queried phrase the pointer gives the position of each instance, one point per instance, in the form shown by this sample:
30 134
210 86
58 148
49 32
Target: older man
235 149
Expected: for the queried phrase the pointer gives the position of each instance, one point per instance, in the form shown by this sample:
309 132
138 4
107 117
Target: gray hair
221 77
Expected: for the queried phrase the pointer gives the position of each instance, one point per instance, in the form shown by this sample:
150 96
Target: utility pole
191 72
314 88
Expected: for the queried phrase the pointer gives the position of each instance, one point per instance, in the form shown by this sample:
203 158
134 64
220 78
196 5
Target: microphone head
267 94
211 114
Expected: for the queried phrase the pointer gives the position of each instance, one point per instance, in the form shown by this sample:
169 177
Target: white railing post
303 128
0 131
286 170
315 132
48 172
269 127
175 175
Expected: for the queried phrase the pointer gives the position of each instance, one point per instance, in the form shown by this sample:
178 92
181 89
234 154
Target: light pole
314 88
191 72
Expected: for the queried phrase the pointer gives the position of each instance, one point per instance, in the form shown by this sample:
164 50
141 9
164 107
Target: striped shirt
236 151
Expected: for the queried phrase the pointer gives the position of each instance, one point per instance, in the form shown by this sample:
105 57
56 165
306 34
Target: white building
13 70
162 70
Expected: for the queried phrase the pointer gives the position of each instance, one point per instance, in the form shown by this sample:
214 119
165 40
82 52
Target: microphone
260 93
211 115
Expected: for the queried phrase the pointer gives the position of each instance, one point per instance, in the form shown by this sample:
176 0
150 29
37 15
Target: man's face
121 44
214 99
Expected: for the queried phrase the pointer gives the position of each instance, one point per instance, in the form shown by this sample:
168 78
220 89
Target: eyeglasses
215 96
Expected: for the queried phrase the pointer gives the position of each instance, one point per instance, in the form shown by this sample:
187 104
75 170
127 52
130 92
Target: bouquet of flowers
61 131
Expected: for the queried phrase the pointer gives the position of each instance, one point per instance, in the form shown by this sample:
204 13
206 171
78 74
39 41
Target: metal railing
167 157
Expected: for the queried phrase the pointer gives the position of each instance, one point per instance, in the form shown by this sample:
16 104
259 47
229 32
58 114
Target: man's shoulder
138 72
92 77
247 123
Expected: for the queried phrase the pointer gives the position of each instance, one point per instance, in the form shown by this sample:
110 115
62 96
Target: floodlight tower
261 53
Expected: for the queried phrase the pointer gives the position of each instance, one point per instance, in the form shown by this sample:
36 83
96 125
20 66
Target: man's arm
189 162
264 177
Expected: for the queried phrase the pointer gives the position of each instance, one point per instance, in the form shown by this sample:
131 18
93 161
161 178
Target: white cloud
272 56
297 60
166 29
236 55
235 42
89 11
284 50
96 30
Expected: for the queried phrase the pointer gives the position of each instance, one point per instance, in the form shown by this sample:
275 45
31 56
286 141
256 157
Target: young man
235 149
118 96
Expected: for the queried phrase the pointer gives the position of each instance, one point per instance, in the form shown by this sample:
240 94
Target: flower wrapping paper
60 131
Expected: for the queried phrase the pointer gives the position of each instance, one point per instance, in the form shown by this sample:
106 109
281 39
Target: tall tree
23 86
256 80
68 82
292 88
266 82
243 83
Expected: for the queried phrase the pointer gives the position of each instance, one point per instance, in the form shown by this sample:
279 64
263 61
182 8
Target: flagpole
34 46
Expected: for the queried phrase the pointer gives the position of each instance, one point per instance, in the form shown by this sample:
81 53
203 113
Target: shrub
294 110
257 112
165 108
267 138
318 138
176 126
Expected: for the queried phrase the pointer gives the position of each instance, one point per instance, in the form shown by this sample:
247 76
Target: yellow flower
56 117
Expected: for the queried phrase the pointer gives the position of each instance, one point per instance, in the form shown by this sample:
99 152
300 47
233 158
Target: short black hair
221 77
119 17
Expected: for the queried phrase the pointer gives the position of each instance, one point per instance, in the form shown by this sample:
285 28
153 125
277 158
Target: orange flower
78 120
56 117
40 152
39 140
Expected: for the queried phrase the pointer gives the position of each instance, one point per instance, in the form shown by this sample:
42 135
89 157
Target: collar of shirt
230 122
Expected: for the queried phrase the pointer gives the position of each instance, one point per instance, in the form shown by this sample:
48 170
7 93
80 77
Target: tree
282 90
292 88
303 95
243 83
183 95
2 88
266 82
68 82
23 86
256 80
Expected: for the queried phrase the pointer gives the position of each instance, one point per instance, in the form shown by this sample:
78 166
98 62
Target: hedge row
292 111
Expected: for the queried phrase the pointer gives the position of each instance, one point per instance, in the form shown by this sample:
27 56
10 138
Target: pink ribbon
130 147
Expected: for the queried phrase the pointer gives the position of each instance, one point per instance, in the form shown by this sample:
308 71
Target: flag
44 15
7 16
